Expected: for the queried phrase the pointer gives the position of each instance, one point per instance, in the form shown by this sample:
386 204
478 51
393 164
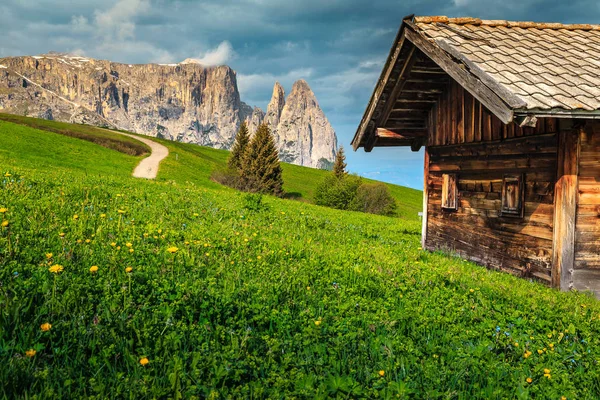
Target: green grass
92 134
293 301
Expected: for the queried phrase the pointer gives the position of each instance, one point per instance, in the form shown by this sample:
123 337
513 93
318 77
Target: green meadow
115 287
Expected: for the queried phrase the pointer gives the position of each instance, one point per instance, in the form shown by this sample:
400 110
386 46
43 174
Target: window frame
515 212
450 178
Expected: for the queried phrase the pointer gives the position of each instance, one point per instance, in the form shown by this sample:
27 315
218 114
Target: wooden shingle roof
518 70
549 66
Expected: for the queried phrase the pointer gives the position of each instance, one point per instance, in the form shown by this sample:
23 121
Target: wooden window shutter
512 195
449 192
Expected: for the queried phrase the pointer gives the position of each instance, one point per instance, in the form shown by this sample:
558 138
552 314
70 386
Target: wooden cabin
507 114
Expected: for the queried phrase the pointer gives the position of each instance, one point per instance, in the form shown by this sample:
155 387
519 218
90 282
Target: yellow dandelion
516 344
118 247
87 240
4 223
102 215
128 244
8 174
49 255
563 398
196 214
144 361
56 269
308 288
3 210
94 269
62 234
529 380
113 244
159 231
131 250
547 376
45 327
381 373
206 254
318 322
259 257
128 269
75 217
540 351
79 241
121 211
546 371
172 249
30 353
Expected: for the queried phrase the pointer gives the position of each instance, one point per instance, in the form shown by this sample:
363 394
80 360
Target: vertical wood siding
467 140
587 235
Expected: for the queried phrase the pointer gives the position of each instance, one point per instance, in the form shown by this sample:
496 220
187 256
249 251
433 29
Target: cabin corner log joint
508 119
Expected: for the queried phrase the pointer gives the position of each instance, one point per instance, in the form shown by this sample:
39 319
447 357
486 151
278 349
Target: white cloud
119 20
220 55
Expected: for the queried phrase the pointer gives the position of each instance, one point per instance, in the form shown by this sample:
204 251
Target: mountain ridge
187 102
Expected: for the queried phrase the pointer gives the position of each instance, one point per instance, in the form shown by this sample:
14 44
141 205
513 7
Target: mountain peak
275 106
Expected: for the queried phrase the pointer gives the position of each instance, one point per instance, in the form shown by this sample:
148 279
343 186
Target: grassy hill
193 164
175 288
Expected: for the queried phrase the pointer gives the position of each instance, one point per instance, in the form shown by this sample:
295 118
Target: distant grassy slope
194 164
23 146
99 136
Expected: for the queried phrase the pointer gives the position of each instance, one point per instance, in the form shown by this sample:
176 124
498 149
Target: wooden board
476 230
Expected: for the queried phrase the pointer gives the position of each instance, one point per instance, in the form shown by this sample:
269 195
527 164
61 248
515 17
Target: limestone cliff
187 102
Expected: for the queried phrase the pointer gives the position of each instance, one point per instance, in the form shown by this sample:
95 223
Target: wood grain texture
565 209
477 230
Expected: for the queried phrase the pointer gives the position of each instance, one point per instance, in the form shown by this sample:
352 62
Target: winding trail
148 167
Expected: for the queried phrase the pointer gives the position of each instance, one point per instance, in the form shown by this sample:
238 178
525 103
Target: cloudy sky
338 46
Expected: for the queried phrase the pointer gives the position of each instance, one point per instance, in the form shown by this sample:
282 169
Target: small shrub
373 198
337 192
254 202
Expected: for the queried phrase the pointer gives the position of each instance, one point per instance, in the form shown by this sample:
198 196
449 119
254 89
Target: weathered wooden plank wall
468 140
459 118
587 236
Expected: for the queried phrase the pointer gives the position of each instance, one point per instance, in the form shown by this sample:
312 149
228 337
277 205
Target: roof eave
558 112
381 82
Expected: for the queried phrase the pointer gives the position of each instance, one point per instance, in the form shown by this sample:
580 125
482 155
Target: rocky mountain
187 102
303 134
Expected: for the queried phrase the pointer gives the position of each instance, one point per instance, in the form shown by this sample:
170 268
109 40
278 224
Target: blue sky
338 46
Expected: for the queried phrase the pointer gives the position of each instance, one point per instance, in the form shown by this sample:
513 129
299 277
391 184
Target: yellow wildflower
172 249
87 240
79 241
516 344
128 244
540 351
547 376
471 290
30 353
113 244
75 217
94 269
118 247
381 373
8 174
318 322
45 327
128 269
3 210
546 371
102 215
206 254
529 380
62 234
49 255
4 223
308 288
196 214
56 269
131 250
159 231
144 361
121 211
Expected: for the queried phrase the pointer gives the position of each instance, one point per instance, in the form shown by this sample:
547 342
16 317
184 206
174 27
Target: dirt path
148 167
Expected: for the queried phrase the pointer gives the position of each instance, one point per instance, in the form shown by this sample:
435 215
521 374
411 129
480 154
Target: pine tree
239 148
339 167
260 166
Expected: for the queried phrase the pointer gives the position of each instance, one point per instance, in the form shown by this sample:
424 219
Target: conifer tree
339 167
239 148
260 166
